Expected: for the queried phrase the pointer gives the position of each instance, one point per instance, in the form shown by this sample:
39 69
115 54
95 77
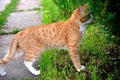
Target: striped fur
36 39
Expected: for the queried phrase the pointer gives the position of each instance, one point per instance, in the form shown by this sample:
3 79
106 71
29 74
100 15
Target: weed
12 32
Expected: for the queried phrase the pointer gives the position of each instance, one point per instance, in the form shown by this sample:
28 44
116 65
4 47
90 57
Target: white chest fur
82 29
83 25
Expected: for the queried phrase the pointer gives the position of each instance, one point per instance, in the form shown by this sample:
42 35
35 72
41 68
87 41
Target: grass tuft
8 9
12 32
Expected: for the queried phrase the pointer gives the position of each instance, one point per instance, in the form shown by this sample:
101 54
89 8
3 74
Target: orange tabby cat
33 41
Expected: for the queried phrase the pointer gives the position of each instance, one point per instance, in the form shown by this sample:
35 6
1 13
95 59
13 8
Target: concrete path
3 4
19 20
31 4
25 18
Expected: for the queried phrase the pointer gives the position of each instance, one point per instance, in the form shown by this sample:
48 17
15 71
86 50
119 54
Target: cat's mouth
86 17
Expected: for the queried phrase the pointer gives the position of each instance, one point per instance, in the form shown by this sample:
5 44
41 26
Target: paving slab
5 41
14 69
28 4
21 20
3 4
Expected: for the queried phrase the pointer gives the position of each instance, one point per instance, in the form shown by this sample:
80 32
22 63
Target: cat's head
83 15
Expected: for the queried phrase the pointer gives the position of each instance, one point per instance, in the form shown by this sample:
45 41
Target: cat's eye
86 11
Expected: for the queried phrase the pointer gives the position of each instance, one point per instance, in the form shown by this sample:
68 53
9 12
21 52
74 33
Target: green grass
50 12
12 32
28 10
8 9
93 41
57 65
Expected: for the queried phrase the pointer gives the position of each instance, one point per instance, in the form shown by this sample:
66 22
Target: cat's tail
11 53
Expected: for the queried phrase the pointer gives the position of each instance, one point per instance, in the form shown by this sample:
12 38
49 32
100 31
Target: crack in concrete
23 19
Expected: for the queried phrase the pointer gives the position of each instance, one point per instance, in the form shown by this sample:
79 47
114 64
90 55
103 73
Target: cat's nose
91 13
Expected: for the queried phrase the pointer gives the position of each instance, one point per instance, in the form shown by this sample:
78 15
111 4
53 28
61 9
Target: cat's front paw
36 73
2 70
3 74
81 68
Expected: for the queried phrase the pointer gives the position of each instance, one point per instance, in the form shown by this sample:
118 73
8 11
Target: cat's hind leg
30 58
2 66
2 70
30 67
18 55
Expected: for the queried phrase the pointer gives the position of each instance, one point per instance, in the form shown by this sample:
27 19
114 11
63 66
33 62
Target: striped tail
11 53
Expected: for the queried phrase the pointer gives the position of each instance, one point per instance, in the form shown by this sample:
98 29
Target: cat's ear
80 9
86 5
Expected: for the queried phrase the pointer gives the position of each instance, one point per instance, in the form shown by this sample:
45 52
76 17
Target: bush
113 24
